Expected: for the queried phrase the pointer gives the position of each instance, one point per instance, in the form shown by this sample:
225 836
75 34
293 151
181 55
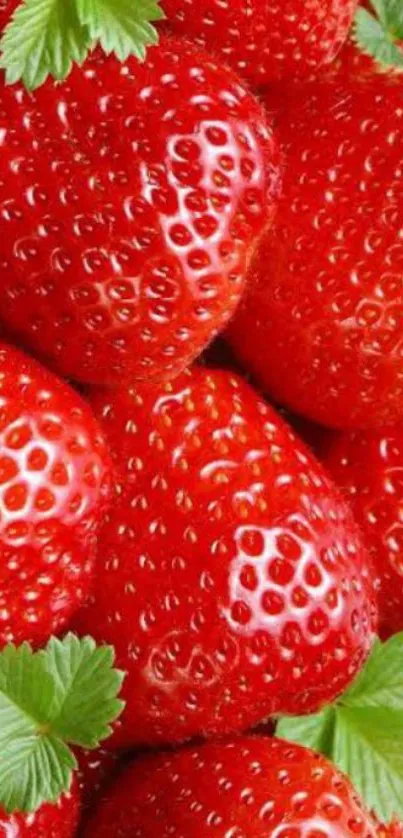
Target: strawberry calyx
61 696
46 37
378 32
362 732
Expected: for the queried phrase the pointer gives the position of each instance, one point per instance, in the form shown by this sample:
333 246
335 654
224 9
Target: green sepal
63 695
46 37
379 34
362 732
124 28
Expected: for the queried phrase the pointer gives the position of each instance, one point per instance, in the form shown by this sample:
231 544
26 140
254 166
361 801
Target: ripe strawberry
52 820
54 483
394 830
262 40
325 302
369 467
95 770
232 580
7 7
123 248
238 789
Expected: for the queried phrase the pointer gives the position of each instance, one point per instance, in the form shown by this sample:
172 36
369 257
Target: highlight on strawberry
232 580
55 482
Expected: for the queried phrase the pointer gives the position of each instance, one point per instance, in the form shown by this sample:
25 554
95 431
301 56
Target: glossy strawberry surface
131 197
369 468
265 40
54 487
51 820
232 580
325 300
245 788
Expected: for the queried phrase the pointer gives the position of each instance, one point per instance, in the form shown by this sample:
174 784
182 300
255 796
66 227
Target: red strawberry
369 467
50 821
262 40
243 788
95 770
54 483
7 7
124 248
325 304
394 830
232 580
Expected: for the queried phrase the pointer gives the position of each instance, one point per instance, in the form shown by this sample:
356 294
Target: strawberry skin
262 40
124 248
54 487
52 820
369 468
325 300
7 7
232 580
241 788
393 830
95 769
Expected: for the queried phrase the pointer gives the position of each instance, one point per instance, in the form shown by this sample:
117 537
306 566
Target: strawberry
124 249
362 732
262 40
325 295
54 487
369 468
95 770
51 820
7 7
242 788
232 580
392 830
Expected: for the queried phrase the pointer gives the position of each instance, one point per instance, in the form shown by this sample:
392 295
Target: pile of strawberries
246 179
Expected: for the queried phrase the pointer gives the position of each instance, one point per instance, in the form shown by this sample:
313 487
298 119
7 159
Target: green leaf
65 694
86 685
380 683
33 768
390 13
121 26
368 746
379 36
44 38
363 731
314 732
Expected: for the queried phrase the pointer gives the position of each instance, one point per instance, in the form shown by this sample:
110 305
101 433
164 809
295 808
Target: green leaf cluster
63 695
45 37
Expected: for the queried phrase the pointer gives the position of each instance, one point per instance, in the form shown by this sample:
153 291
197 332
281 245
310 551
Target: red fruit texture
325 300
54 487
238 789
52 820
124 248
394 830
232 579
7 7
266 41
369 468
95 769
